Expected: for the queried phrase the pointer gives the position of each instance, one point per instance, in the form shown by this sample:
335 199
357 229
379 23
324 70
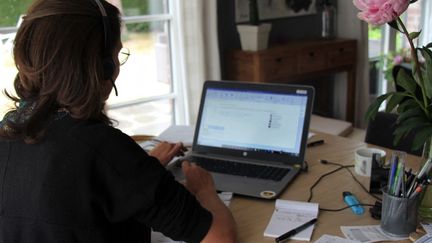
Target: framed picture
275 9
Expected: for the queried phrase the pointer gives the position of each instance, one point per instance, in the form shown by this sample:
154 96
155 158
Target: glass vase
425 208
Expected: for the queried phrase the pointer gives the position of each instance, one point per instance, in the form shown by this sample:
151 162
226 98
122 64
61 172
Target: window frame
178 91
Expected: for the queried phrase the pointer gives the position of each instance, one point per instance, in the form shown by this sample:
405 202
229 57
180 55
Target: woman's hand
198 181
165 151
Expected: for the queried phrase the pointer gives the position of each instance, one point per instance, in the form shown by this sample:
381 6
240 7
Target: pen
417 191
410 183
290 233
392 171
315 143
425 169
399 178
404 183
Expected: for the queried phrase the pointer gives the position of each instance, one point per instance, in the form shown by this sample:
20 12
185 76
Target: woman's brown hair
59 50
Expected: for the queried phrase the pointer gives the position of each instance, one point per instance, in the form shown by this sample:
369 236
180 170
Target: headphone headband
108 63
101 8
104 21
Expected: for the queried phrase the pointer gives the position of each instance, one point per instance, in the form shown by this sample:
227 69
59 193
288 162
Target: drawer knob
311 54
279 59
341 49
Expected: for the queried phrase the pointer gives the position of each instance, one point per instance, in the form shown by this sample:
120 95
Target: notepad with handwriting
289 215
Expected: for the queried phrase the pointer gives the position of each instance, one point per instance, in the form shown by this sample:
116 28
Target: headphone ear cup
108 68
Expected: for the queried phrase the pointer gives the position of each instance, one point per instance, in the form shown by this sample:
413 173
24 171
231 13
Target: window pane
147 118
10 11
375 38
8 73
141 7
147 72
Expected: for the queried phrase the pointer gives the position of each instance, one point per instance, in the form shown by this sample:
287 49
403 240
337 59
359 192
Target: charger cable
340 167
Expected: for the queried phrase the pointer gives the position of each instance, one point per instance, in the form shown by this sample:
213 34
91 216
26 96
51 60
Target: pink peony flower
378 12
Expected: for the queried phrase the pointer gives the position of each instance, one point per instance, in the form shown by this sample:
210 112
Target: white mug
363 160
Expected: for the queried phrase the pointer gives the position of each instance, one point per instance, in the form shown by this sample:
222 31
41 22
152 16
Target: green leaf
427 54
406 81
421 137
408 126
394 25
414 35
403 130
407 104
394 100
400 133
398 137
417 111
417 120
373 108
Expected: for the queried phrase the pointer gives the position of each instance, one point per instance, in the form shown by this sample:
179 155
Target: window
10 12
149 99
388 47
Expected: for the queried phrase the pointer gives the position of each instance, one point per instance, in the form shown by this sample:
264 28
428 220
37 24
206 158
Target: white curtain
426 25
197 25
349 26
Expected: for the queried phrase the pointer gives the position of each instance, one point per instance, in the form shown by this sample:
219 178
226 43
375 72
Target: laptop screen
253 120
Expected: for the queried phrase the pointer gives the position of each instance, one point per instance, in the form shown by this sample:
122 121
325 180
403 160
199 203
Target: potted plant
254 35
413 103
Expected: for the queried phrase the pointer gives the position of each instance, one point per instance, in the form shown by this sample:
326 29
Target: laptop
251 136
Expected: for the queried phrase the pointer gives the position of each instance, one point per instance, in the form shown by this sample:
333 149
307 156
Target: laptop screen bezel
278 88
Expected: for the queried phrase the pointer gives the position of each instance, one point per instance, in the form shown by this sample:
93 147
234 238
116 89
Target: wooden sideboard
297 61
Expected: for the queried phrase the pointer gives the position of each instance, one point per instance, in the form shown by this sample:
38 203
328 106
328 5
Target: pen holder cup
398 215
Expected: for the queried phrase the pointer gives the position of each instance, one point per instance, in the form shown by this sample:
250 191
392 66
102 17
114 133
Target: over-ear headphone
107 61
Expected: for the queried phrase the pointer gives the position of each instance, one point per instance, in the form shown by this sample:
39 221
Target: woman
66 175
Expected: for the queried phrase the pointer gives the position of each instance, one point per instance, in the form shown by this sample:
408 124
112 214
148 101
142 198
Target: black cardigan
88 182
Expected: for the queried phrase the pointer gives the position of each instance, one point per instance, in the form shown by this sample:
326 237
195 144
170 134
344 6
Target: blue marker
350 200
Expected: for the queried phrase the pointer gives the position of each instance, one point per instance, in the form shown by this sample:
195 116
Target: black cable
364 188
319 179
334 171
340 209
355 179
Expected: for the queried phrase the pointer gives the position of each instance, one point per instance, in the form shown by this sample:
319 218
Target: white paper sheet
178 133
427 228
334 239
226 197
427 238
310 134
369 233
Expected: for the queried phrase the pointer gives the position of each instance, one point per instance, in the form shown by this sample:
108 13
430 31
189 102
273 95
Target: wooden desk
297 61
253 215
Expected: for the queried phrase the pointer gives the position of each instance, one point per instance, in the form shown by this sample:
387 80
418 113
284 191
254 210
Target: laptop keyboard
241 169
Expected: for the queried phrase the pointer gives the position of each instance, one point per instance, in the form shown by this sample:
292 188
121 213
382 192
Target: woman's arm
200 183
